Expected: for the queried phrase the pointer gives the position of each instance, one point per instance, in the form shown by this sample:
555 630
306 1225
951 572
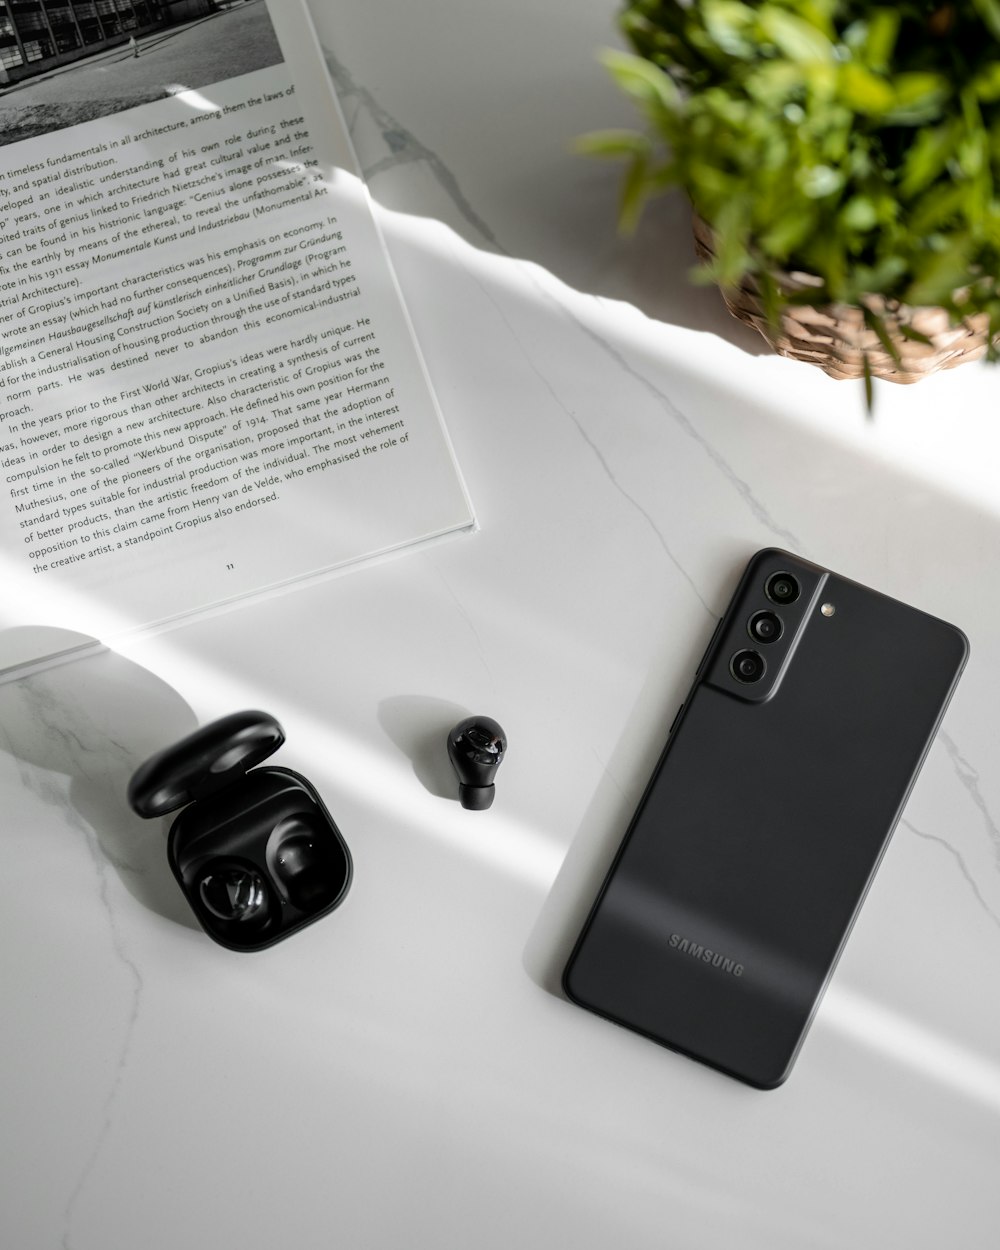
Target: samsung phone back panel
741 873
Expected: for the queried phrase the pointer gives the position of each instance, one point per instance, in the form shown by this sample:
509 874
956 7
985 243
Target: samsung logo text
706 955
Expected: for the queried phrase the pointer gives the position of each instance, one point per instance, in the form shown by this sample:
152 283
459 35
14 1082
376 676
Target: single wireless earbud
233 891
476 747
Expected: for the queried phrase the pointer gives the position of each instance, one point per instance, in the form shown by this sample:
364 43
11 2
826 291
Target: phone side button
677 716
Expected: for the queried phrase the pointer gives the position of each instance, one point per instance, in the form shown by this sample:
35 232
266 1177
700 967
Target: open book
209 387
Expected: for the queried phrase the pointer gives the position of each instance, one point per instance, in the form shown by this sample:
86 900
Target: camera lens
764 627
747 666
781 588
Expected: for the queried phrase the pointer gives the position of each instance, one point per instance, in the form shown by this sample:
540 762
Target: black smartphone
733 892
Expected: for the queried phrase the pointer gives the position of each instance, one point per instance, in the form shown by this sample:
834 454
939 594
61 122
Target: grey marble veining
741 486
970 779
366 119
61 755
960 864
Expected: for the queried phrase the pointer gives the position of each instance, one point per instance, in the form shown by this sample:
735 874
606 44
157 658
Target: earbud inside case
254 850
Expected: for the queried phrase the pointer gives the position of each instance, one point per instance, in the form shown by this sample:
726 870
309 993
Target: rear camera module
781 588
747 666
764 627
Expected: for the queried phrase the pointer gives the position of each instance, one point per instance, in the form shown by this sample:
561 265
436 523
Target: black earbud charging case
255 851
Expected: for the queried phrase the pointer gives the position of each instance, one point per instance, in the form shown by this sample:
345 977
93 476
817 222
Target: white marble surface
404 1073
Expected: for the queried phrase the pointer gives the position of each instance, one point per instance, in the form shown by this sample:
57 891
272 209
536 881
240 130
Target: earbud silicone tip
476 798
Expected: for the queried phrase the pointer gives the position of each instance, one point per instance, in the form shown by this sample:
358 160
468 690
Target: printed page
208 383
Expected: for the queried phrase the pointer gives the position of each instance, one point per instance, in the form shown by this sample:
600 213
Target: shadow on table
558 212
419 725
94 717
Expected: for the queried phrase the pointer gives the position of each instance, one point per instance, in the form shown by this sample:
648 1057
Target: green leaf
798 39
881 278
771 299
817 181
927 157
989 11
774 82
874 322
869 386
730 25
986 83
641 79
915 336
940 206
732 228
942 274
633 193
787 231
972 154
614 143
883 28
814 297
859 213
864 91
919 97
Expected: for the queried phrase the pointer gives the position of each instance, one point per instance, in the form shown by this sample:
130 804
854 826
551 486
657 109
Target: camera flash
828 609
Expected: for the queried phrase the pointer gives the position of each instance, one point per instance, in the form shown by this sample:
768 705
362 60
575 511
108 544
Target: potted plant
843 162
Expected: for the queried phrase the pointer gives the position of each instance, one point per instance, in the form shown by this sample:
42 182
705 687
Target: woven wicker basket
836 339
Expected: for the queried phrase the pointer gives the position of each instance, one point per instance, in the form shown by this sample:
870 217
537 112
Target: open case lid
204 762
